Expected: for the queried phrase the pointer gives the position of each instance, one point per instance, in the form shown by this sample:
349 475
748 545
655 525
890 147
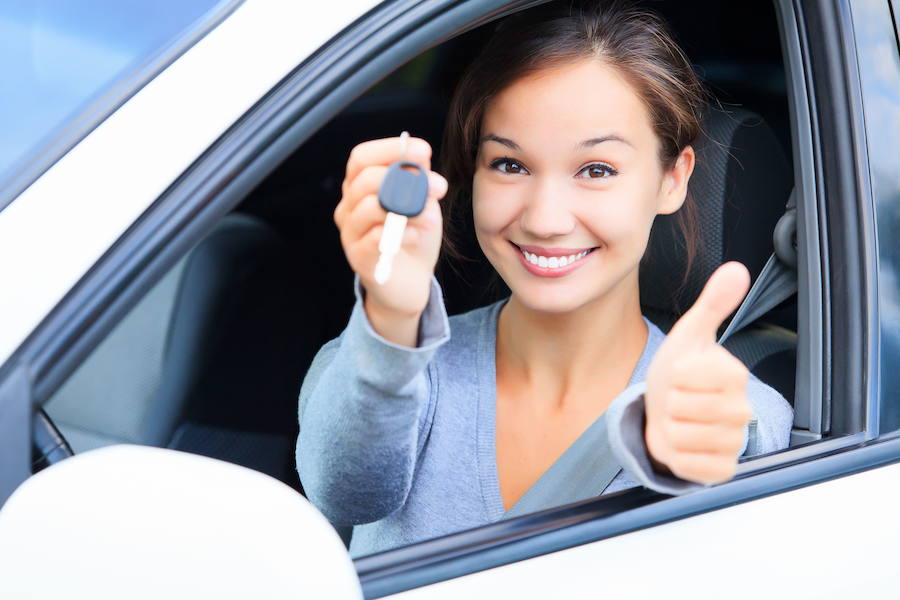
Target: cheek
494 207
622 221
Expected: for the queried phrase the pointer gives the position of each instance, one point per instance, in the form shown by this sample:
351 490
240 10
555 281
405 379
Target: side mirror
137 522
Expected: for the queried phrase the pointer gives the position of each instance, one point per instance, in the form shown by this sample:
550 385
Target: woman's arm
362 408
700 401
769 430
361 401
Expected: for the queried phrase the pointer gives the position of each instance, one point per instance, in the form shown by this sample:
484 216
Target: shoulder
655 336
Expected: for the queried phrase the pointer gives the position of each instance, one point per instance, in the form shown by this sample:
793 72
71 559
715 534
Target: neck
551 356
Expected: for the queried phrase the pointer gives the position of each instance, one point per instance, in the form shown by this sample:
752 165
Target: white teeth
553 262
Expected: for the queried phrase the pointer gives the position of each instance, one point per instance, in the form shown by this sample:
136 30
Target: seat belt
583 471
778 279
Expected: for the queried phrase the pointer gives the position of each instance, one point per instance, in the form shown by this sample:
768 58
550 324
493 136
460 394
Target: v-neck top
401 442
486 386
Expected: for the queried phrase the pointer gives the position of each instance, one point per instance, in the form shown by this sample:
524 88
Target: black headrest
740 185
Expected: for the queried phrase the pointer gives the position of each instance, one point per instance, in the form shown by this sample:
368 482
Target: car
169 268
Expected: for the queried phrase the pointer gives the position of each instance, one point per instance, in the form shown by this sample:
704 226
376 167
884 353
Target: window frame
810 413
850 320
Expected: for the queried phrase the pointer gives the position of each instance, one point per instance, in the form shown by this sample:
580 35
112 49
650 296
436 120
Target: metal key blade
389 246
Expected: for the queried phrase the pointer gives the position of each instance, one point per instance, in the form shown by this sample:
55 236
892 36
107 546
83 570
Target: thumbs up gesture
696 399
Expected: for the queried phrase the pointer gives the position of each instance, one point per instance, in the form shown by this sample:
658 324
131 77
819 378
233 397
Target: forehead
576 100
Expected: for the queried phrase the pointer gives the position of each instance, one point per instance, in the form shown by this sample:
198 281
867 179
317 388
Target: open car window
177 371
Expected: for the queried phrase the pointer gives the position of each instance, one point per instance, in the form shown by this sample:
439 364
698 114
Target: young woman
566 138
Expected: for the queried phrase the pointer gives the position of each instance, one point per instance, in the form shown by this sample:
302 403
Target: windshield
64 66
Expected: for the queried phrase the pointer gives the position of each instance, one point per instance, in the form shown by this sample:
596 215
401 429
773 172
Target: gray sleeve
362 413
769 430
773 417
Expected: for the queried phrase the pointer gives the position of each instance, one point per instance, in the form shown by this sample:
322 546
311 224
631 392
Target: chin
550 307
556 299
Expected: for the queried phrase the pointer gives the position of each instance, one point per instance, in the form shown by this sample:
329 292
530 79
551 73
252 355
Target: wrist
651 442
397 326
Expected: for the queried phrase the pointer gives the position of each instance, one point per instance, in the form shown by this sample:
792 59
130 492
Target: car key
402 194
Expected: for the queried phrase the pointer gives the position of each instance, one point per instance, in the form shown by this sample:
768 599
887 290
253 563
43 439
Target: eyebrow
501 140
582 146
599 140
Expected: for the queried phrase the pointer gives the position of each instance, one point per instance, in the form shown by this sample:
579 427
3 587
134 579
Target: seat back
740 187
106 400
209 352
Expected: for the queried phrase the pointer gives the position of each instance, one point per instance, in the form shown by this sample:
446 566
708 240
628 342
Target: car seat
209 361
740 187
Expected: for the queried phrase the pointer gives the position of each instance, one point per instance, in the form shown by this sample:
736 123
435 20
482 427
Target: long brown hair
634 41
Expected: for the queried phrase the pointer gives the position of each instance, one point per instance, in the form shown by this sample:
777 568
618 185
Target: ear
675 182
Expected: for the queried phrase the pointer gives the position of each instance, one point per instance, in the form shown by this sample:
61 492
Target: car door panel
750 550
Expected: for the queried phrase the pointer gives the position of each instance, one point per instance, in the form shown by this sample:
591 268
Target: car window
212 359
64 66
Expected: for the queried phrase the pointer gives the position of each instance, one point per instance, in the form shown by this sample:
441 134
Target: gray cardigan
399 442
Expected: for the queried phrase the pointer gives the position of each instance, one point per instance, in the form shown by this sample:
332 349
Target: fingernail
437 185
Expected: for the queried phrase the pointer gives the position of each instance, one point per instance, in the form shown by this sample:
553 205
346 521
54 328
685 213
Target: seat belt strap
775 284
583 471
778 280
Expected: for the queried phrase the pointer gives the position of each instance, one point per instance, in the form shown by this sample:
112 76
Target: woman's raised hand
696 400
395 307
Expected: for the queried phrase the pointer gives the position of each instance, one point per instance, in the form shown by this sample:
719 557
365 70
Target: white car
168 268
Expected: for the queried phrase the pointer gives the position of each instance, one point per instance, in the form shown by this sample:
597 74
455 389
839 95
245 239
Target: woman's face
567 183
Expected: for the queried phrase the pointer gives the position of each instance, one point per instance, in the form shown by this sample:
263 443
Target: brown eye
507 165
597 171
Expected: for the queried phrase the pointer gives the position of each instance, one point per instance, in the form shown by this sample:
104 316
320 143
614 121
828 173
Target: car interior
211 360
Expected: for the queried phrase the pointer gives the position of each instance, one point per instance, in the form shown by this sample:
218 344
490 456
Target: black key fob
404 189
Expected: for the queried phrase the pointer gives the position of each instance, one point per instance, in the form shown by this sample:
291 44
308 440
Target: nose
547 212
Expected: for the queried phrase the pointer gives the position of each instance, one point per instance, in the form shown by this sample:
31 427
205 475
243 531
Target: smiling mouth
553 262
